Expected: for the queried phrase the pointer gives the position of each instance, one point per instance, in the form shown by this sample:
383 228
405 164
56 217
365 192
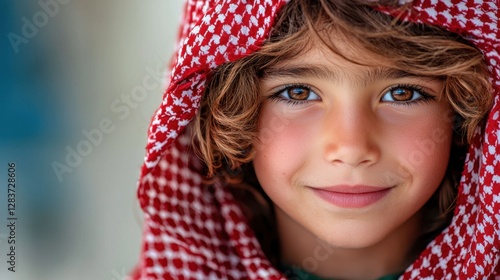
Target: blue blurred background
79 80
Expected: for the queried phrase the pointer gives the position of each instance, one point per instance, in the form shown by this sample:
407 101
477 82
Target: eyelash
276 96
425 96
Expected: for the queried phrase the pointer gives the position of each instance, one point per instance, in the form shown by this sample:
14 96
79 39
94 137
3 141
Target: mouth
351 196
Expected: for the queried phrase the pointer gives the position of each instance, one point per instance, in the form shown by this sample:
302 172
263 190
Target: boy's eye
404 94
298 93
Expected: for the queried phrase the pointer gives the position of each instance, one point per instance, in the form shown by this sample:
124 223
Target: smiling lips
351 196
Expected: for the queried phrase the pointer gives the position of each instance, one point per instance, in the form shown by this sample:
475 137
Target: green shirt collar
296 273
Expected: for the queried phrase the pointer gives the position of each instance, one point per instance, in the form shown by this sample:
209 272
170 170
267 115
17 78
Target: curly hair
226 127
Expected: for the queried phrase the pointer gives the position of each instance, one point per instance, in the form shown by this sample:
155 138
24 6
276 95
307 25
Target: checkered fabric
196 232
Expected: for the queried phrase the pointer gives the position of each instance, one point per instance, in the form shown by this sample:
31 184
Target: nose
350 137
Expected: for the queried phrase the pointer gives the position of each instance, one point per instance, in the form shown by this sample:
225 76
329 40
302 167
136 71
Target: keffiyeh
196 232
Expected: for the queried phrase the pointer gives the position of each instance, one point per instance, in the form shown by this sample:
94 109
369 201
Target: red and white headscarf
194 232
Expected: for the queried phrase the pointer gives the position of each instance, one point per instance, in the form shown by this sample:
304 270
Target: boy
343 129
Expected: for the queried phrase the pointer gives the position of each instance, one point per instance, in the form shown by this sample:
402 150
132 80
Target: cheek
424 149
281 147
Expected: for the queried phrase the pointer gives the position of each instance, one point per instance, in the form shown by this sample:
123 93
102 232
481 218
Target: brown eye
402 94
405 95
298 93
295 95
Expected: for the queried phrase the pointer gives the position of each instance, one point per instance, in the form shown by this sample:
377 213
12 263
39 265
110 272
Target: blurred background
80 80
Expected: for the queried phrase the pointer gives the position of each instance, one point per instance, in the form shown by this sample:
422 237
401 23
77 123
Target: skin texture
327 122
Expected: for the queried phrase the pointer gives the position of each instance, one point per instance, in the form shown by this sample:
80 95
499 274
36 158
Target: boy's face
350 153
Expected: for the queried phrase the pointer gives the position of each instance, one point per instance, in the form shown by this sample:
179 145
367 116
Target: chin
352 241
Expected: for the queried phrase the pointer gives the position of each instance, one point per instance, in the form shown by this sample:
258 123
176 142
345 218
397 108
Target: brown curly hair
226 127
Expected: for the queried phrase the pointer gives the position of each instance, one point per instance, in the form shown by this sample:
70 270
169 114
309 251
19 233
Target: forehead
330 44
320 61
336 57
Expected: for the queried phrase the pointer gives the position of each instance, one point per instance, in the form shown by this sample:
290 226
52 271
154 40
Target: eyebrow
323 72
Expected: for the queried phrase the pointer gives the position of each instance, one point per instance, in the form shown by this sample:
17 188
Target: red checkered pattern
197 232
